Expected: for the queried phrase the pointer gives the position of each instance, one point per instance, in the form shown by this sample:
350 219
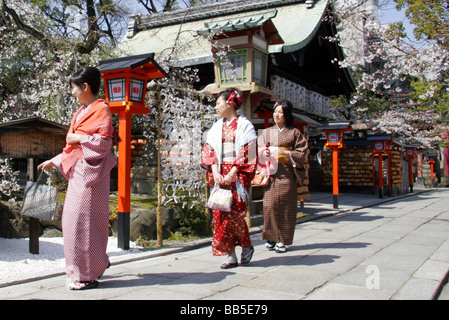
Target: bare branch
20 24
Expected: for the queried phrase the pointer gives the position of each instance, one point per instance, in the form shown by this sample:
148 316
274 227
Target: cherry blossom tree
41 44
8 181
401 87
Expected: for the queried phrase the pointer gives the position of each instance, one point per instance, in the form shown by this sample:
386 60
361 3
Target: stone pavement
370 248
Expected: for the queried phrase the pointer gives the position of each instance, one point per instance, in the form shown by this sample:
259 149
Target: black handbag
40 200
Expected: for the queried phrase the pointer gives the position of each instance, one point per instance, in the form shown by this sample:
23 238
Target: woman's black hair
225 94
287 108
89 75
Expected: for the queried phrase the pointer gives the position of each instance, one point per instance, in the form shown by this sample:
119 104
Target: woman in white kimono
230 158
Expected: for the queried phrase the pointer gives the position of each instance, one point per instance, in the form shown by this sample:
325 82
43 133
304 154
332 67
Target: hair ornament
234 95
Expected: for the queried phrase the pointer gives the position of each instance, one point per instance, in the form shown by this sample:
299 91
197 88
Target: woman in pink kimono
230 158
86 162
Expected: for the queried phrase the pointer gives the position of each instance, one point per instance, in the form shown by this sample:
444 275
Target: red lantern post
432 159
381 146
125 81
410 154
335 141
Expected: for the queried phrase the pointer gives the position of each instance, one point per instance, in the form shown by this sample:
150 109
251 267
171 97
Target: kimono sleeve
57 161
208 157
246 162
299 150
95 147
98 159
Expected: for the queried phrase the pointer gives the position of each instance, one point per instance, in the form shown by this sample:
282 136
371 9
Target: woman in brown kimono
284 147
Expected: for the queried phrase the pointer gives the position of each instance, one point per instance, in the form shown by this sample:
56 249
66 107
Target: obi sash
229 153
284 158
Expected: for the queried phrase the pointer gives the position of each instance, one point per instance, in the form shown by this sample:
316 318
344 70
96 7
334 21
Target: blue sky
388 13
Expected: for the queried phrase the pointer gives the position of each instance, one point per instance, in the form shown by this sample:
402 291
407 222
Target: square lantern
379 146
381 143
243 65
233 68
335 132
410 152
431 157
334 137
248 39
126 79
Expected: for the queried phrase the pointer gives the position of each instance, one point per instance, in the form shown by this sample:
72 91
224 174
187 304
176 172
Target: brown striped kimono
280 204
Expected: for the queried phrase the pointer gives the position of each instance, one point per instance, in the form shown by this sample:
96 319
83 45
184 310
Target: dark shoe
247 255
83 285
228 264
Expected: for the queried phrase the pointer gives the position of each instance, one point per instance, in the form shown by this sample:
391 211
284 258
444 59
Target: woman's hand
46 165
218 178
223 179
73 138
276 151
266 153
227 179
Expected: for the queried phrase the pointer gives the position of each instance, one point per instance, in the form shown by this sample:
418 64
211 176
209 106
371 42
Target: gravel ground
17 263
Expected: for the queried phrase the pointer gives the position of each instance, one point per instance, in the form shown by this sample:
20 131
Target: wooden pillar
33 222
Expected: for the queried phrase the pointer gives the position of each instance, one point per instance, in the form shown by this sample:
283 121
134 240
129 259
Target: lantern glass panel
379 146
233 67
334 137
259 67
117 89
136 93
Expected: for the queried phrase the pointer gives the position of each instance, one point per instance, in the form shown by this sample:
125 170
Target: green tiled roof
235 24
296 21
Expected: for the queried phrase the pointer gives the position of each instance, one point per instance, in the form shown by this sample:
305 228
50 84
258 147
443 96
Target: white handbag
220 199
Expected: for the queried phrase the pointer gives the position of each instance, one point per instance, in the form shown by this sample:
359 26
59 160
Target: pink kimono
85 218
